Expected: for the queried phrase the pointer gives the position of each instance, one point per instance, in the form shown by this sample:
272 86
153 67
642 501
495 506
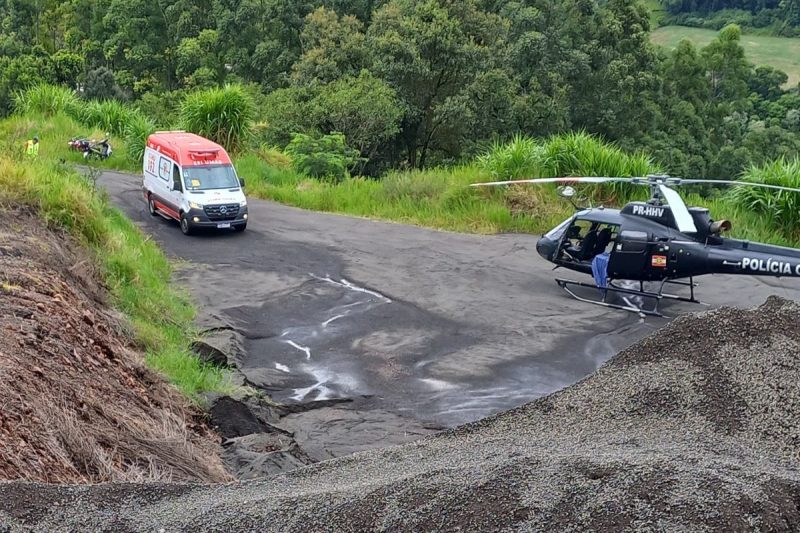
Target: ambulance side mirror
241 183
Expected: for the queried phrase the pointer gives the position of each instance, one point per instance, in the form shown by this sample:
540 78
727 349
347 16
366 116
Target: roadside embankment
693 428
79 405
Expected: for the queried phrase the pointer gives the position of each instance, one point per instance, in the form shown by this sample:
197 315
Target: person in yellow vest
32 147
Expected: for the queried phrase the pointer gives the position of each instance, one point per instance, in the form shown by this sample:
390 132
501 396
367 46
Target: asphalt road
434 326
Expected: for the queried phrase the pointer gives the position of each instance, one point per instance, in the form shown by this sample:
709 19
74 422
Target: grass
437 198
46 100
54 132
441 198
657 12
136 271
780 52
224 115
778 209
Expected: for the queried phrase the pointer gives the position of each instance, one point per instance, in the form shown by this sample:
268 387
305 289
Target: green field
779 52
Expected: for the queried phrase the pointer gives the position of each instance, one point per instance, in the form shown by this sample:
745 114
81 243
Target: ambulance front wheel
186 227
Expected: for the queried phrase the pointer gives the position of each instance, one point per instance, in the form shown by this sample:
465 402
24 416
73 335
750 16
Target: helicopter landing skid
641 311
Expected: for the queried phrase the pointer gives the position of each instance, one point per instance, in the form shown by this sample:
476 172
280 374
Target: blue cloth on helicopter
600 269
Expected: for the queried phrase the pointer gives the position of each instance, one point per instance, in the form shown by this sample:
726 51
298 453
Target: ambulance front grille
222 211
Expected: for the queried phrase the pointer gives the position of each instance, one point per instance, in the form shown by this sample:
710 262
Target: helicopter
660 241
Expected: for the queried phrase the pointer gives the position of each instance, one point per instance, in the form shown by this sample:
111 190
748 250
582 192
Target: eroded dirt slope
77 403
692 429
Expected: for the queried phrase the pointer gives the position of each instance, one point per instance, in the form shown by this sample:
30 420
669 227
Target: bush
416 185
781 209
108 115
223 115
274 157
101 84
137 129
519 158
324 157
47 100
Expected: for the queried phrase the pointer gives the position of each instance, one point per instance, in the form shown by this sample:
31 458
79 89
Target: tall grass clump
519 158
582 154
135 270
108 115
224 115
781 209
137 129
46 100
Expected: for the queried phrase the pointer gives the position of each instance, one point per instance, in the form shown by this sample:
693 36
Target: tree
767 81
67 67
200 60
430 51
102 85
728 70
365 109
333 47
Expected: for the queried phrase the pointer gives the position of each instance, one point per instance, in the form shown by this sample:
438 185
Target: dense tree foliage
782 16
421 82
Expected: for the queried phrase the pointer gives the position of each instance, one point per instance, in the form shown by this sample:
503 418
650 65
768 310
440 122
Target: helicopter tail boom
754 260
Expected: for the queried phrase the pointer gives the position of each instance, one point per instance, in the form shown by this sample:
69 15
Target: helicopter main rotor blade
565 180
731 182
679 210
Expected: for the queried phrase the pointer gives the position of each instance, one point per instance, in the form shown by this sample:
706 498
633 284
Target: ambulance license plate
224 225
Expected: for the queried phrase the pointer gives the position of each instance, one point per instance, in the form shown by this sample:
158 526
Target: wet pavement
419 328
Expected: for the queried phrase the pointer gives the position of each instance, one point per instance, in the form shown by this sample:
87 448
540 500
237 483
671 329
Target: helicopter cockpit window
558 231
586 239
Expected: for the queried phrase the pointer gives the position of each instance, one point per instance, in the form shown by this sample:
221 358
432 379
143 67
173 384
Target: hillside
691 428
79 406
780 52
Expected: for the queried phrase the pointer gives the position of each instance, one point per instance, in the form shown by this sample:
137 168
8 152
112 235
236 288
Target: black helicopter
660 240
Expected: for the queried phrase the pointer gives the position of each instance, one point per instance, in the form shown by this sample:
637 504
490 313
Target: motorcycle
91 149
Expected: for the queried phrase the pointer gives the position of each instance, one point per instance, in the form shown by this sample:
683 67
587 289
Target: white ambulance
192 180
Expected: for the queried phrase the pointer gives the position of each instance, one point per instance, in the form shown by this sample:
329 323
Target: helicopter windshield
558 231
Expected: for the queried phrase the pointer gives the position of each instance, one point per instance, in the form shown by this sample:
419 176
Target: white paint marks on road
351 286
325 324
304 349
323 393
282 368
438 384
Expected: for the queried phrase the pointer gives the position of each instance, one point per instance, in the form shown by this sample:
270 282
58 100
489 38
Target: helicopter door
629 256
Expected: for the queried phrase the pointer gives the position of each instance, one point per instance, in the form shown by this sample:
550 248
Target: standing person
32 147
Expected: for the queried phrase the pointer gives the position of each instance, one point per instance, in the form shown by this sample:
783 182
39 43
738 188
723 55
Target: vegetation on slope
441 197
136 271
416 84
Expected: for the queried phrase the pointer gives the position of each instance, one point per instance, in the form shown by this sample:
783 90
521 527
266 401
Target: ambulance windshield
210 177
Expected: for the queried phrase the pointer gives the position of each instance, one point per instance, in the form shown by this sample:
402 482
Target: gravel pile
695 428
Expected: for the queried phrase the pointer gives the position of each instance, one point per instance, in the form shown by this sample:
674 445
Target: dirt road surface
417 326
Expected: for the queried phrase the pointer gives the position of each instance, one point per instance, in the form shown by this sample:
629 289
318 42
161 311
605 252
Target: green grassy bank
135 269
441 197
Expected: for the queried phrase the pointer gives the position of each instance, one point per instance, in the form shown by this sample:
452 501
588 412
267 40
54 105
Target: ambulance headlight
195 205
243 203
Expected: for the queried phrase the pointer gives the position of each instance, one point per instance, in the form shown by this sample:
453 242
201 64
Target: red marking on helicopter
659 261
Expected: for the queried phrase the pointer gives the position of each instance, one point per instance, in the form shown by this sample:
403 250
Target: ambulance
191 179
